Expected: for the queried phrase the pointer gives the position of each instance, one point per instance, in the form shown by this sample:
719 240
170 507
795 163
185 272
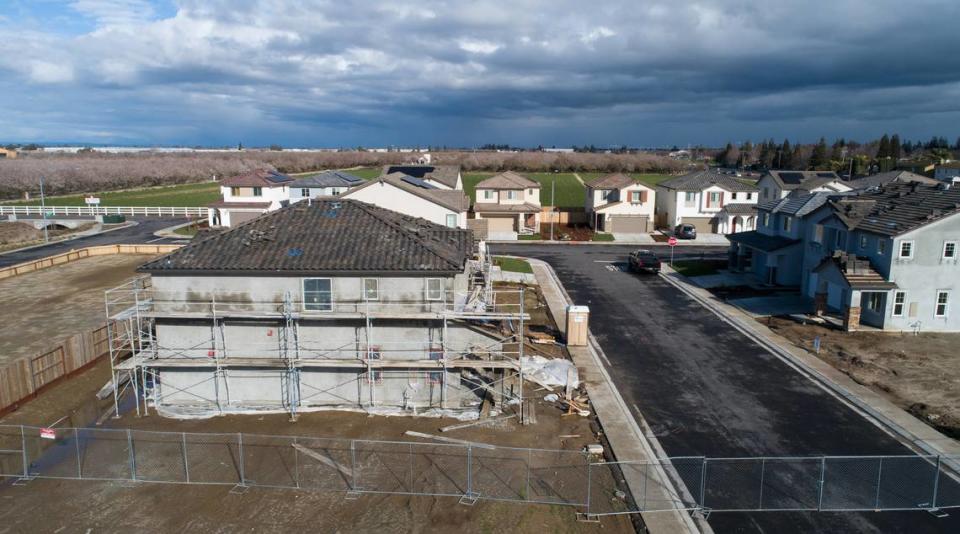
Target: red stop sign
672 241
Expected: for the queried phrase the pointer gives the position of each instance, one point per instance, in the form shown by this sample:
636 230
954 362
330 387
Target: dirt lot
918 373
44 307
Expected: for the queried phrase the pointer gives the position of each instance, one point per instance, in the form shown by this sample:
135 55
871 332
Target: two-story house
415 197
774 184
888 257
774 252
697 198
947 172
618 204
247 196
325 184
510 205
332 303
439 176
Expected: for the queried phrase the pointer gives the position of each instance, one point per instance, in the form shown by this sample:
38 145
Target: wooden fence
79 254
24 378
563 215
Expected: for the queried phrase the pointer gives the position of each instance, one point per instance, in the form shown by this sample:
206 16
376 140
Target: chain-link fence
479 471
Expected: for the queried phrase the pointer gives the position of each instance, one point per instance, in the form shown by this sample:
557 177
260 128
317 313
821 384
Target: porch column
851 316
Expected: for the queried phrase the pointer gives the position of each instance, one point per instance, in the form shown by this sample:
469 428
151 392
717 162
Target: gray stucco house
329 304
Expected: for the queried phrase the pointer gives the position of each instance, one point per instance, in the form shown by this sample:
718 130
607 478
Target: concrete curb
168 232
666 521
127 224
907 429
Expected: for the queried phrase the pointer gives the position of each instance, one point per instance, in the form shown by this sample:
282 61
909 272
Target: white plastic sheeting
550 372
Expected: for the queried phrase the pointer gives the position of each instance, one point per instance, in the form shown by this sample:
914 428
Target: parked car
644 260
685 231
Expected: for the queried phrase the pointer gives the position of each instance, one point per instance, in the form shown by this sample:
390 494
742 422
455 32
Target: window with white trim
635 197
689 198
787 221
305 193
713 199
487 194
943 303
371 289
899 302
434 288
513 195
451 220
863 242
317 294
906 250
950 250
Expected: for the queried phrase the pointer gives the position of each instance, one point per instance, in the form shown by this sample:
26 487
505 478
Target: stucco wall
393 198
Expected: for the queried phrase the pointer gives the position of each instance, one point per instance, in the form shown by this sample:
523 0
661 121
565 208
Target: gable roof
885 178
257 178
700 180
453 199
331 236
611 181
856 272
797 205
445 174
507 180
896 208
808 180
329 179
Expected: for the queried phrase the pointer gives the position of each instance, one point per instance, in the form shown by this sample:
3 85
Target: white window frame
305 192
902 304
513 194
452 222
366 291
635 197
689 198
787 223
488 194
766 218
863 242
943 253
882 246
900 250
710 202
308 306
434 294
946 304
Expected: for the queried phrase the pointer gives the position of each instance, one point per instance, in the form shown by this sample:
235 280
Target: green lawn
602 237
512 265
698 268
569 191
186 195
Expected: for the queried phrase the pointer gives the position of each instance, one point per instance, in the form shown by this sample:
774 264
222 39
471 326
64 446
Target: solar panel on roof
276 177
415 171
417 182
791 177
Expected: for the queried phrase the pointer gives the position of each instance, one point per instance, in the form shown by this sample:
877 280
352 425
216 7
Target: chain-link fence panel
53 457
608 488
850 483
159 456
790 484
947 494
384 467
906 483
105 454
557 477
732 484
11 451
268 461
212 458
504 473
439 469
324 464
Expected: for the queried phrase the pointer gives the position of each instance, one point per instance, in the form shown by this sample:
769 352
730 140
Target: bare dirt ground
41 308
919 373
45 505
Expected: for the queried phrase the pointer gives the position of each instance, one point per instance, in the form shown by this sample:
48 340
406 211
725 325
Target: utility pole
553 208
43 212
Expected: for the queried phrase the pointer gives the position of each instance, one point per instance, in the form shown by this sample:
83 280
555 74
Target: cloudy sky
525 72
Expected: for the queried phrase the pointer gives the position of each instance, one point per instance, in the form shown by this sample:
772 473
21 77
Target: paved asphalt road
707 390
141 233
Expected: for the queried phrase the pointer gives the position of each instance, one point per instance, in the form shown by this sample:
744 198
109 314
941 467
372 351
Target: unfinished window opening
434 288
435 377
371 289
863 242
317 294
375 376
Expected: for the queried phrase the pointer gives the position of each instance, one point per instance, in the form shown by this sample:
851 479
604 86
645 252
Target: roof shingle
700 180
507 180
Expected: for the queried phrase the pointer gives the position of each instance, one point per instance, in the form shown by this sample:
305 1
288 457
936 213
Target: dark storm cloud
525 71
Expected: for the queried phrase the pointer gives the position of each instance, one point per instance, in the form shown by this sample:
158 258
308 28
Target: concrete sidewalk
623 433
876 408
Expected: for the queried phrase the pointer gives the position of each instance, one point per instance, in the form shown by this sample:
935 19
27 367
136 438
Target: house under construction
327 304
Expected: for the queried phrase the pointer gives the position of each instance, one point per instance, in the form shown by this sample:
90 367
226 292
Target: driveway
707 390
140 233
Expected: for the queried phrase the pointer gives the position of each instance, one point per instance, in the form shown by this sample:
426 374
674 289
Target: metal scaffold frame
136 357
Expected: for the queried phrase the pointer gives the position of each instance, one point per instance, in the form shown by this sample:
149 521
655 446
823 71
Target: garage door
628 224
499 224
704 225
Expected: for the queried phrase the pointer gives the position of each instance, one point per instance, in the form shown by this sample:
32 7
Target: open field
918 373
43 307
647 179
185 195
569 190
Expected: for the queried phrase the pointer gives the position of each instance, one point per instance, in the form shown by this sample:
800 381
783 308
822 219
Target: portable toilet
578 318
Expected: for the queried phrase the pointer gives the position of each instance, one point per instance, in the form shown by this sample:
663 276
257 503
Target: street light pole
553 188
43 211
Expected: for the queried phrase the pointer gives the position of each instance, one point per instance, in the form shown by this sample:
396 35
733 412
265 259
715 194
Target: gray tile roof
453 199
326 237
790 180
328 179
611 181
700 180
797 204
507 180
764 242
258 178
445 174
740 208
896 208
885 178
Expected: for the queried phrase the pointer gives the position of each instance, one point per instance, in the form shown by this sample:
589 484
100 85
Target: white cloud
46 72
596 34
476 46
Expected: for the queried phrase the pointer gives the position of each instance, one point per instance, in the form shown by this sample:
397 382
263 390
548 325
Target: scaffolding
137 358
